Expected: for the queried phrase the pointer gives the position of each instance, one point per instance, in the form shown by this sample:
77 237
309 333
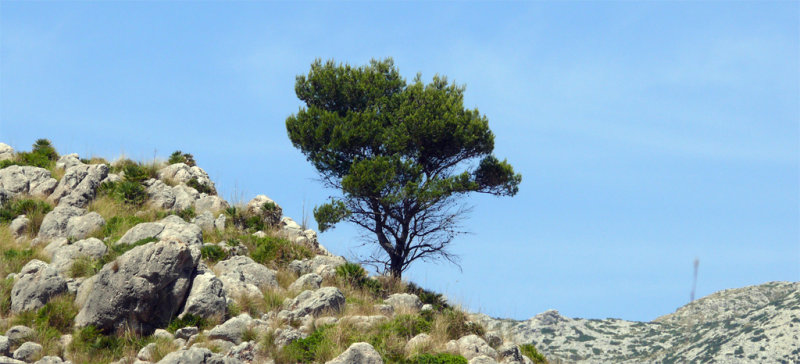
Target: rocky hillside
756 324
130 262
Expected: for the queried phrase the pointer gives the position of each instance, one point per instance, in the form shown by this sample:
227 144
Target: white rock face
182 173
323 265
67 161
79 184
6 152
54 224
404 302
232 329
65 256
207 296
170 227
755 324
79 227
314 303
28 351
306 281
471 346
38 282
17 180
358 353
242 275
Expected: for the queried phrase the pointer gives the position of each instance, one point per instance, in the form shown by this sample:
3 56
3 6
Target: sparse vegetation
180 157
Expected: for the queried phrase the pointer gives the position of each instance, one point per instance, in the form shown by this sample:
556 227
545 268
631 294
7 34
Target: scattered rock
19 226
79 227
21 180
79 184
37 283
5 345
287 336
471 346
314 303
210 203
242 275
482 359
142 290
54 224
404 302
364 322
65 256
163 334
28 351
182 173
245 351
358 353
170 227
19 334
204 220
68 161
186 332
510 353
219 223
207 296
306 281
146 353
232 329
50 360
265 207
493 338
196 355
6 152
321 264
418 343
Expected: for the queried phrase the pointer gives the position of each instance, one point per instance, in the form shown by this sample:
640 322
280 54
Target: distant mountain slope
755 324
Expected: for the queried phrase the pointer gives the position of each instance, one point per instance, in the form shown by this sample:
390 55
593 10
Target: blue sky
648 134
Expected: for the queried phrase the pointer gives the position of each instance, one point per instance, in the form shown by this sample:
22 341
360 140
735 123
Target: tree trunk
396 266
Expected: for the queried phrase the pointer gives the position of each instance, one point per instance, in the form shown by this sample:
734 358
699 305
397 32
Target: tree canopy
401 154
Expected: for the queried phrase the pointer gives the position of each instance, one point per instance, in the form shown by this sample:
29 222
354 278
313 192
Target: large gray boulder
314 303
323 265
205 220
28 351
358 353
241 275
19 226
182 173
21 180
196 355
79 184
68 161
6 152
159 194
170 227
54 224
306 281
404 302
142 290
266 208
19 334
232 329
65 256
79 227
210 203
471 346
5 344
38 282
207 296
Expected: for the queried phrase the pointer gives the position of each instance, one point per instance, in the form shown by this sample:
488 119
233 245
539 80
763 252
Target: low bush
276 251
200 187
117 226
440 358
127 192
33 209
213 253
352 273
187 320
428 297
180 157
187 214
43 155
530 351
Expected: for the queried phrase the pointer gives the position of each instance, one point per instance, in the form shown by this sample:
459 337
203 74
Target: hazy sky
648 134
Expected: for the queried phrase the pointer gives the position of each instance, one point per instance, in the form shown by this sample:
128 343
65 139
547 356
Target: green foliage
5 295
116 226
306 350
84 266
395 150
13 259
180 157
58 313
277 250
457 324
42 155
440 358
127 192
269 206
213 253
28 207
407 326
186 321
428 297
93 342
187 214
200 187
530 351
243 221
135 173
352 273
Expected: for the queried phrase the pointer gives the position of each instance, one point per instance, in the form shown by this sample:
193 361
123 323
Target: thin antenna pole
694 280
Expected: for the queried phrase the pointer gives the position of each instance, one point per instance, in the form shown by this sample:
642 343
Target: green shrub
428 297
94 343
269 206
5 296
135 173
407 326
187 320
440 358
277 250
307 350
58 313
116 226
187 214
84 266
458 324
213 253
530 351
200 187
45 148
43 155
28 207
180 157
352 273
12 260
127 192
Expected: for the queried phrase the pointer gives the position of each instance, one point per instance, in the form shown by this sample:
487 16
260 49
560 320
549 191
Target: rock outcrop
142 290
26 180
38 282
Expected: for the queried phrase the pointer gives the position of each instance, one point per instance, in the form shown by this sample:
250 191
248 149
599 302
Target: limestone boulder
79 227
232 329
54 224
182 173
306 281
404 302
207 296
142 289
65 255
79 184
196 355
170 227
323 265
21 180
28 351
242 275
19 334
204 220
37 283
68 161
210 203
358 353
263 206
6 152
471 346
19 226
314 303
